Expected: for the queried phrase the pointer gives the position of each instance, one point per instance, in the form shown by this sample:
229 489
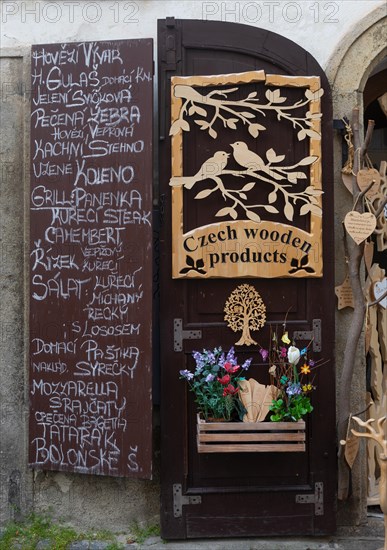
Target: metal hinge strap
179 334
314 334
317 499
180 500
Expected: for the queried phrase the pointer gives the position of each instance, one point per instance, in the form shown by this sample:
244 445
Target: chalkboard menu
91 258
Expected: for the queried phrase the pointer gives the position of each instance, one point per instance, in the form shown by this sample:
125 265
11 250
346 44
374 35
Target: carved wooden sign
246 176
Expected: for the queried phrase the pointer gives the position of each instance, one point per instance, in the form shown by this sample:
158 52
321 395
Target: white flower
293 355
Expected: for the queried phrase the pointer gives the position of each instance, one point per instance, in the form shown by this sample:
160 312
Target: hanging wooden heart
359 226
347 180
380 288
365 177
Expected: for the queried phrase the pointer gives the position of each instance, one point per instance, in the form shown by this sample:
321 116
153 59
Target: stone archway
348 70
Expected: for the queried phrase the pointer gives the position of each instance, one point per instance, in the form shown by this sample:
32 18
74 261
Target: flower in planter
215 383
294 383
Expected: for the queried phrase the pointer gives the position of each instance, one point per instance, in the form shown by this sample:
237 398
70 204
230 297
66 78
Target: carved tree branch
355 255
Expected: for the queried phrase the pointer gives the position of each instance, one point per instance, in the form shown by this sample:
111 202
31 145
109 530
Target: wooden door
240 494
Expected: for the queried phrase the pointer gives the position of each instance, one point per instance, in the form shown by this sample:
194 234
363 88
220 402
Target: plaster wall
346 37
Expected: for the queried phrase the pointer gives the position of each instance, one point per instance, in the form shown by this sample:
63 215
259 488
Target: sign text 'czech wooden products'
91 282
258 173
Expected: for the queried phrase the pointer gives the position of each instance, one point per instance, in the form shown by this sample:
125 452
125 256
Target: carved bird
246 158
210 167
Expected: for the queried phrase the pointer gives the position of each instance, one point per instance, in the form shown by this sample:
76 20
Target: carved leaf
202 123
246 114
179 124
301 135
253 216
310 190
314 96
300 176
253 94
189 261
196 109
304 260
312 134
200 263
212 133
292 177
203 194
289 211
307 160
271 209
305 209
226 212
231 123
243 196
272 157
248 186
272 197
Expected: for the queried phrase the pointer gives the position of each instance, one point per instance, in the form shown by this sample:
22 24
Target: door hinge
179 334
314 334
180 500
317 499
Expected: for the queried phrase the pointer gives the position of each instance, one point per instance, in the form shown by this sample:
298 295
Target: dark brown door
240 494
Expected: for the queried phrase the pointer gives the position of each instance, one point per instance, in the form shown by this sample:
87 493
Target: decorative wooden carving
379 436
359 226
344 294
245 311
292 185
374 204
216 105
377 396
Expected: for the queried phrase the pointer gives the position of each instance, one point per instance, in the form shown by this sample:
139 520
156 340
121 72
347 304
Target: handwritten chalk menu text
91 258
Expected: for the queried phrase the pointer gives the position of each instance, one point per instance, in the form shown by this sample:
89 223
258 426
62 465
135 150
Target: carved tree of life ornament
245 311
273 184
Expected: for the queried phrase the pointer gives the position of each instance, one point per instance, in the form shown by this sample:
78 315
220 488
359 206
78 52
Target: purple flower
311 363
264 353
230 358
284 352
246 364
186 374
294 389
210 377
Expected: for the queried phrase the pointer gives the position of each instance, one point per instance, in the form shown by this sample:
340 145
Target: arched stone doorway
348 70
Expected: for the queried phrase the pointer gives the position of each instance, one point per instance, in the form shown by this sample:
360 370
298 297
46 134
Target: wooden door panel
242 494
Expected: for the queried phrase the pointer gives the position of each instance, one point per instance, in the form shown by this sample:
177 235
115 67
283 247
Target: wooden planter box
250 437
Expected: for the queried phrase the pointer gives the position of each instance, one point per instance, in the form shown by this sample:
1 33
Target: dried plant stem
355 255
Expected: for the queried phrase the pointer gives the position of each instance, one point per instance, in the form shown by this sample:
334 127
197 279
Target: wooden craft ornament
344 294
365 177
380 288
359 226
245 311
